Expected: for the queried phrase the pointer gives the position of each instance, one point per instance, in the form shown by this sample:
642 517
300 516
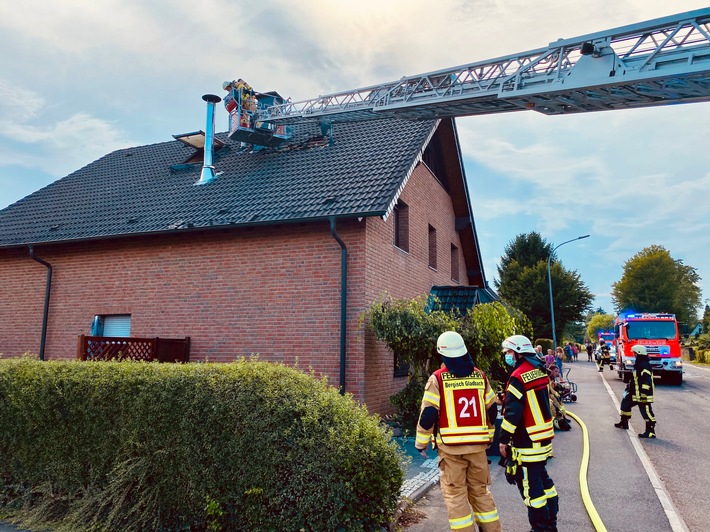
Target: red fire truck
659 334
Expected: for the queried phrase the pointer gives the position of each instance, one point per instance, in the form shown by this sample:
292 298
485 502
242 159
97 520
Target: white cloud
57 148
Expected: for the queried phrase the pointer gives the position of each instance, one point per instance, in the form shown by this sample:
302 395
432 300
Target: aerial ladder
659 62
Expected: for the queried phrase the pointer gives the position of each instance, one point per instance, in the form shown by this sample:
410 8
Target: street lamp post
549 282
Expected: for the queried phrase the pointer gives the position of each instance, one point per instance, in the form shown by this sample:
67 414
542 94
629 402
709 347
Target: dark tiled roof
134 190
459 297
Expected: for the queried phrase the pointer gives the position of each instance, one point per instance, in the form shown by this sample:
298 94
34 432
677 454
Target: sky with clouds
81 79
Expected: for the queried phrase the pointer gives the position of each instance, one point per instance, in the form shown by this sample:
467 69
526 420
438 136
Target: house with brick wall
278 256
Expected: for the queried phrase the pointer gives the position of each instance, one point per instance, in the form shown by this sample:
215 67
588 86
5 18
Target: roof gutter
343 300
46 299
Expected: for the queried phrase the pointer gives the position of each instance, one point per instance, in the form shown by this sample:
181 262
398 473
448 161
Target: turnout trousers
464 485
645 408
539 495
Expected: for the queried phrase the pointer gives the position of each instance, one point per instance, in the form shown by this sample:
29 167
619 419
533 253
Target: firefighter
527 432
639 391
230 100
458 412
604 356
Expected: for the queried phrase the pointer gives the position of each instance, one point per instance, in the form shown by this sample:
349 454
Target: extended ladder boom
658 62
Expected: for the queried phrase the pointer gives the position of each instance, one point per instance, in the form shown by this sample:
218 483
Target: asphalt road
681 453
619 485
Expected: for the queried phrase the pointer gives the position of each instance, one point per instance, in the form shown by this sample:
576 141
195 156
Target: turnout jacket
466 409
640 386
527 424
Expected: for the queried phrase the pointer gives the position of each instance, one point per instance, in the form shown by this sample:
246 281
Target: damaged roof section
140 190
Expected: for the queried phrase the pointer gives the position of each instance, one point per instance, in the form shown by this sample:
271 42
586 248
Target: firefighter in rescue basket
639 391
459 409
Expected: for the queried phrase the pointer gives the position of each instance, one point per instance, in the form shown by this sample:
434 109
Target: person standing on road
604 356
639 391
527 432
568 352
590 350
575 351
459 409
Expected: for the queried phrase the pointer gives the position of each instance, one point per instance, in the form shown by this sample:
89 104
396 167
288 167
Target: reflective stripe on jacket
527 404
641 385
462 408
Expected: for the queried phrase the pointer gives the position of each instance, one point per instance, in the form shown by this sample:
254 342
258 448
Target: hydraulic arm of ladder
658 62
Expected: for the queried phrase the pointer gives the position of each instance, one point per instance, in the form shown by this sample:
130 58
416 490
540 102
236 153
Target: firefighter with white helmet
527 431
639 391
458 411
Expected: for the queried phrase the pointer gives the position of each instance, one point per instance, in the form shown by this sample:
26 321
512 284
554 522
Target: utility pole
549 282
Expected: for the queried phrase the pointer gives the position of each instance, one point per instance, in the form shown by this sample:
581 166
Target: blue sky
81 79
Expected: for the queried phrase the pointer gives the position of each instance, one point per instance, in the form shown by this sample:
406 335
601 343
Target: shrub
410 328
546 344
243 446
703 341
407 405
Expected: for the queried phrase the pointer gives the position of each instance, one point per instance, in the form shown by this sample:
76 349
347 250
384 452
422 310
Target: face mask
510 359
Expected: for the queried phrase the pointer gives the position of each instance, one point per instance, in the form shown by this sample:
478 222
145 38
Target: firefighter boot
650 430
623 423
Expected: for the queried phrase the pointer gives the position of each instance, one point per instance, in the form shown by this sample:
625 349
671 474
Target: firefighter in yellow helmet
639 391
459 409
527 432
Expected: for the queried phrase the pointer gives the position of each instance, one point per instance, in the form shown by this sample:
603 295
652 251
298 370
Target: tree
599 322
706 319
653 281
410 328
522 282
574 331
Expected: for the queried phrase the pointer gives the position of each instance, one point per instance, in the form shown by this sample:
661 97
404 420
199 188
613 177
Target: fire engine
659 334
607 336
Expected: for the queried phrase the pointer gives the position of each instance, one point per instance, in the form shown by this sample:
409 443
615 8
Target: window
401 369
432 248
115 325
401 226
454 263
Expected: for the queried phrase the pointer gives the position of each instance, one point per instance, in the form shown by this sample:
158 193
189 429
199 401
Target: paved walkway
422 473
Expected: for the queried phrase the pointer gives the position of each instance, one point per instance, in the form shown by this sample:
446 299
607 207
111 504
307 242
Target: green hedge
545 343
135 446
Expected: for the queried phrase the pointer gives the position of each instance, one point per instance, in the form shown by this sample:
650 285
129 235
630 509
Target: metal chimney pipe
208 174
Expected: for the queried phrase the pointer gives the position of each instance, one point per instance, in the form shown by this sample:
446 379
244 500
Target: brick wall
405 275
272 291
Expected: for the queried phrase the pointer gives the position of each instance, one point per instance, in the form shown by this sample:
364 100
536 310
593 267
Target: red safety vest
462 409
536 415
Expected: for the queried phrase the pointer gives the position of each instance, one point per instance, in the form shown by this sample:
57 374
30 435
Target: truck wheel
676 379
626 377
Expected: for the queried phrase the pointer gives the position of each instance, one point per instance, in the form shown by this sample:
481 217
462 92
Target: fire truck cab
659 334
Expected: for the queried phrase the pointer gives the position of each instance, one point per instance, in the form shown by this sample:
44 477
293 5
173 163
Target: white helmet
518 343
640 350
450 344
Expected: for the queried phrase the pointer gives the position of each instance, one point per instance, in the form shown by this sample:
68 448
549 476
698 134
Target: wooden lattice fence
147 349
